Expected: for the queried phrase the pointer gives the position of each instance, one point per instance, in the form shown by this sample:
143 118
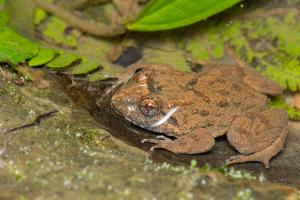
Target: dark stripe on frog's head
190 84
153 86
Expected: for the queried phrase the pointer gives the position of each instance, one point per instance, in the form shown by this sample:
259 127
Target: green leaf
39 16
63 60
45 55
280 103
14 48
166 14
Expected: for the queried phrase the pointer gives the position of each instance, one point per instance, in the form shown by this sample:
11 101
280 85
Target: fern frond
287 75
280 103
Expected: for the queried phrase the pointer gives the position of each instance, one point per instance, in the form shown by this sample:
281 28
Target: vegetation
263 36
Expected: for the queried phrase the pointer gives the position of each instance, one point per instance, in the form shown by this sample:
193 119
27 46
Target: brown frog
194 108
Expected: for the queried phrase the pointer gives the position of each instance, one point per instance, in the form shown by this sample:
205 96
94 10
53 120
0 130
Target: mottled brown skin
225 100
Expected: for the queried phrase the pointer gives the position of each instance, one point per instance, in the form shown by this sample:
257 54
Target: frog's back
209 101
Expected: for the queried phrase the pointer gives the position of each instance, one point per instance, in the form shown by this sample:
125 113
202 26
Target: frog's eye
142 77
149 107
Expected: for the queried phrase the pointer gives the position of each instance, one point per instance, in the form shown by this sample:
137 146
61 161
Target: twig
6 140
270 12
87 26
81 4
36 122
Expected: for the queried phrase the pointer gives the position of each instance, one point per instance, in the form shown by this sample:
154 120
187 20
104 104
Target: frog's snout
125 106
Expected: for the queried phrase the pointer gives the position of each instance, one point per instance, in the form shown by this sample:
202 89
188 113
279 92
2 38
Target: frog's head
140 102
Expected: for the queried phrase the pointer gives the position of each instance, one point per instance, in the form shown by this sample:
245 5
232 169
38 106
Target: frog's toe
157 139
162 137
155 147
235 159
195 142
161 143
248 158
259 139
154 141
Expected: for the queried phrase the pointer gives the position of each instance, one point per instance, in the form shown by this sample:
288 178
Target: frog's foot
263 156
259 139
198 141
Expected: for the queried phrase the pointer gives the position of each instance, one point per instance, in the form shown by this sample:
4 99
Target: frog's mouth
164 118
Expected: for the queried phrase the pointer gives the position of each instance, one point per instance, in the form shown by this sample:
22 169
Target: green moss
245 194
90 136
175 58
229 171
19 175
13 94
206 43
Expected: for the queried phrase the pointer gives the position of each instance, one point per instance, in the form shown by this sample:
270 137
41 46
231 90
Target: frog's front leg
259 138
198 141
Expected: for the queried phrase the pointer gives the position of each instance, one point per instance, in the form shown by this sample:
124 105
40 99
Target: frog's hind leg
250 77
261 83
198 141
259 139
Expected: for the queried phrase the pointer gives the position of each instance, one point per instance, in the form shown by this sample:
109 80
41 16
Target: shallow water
284 168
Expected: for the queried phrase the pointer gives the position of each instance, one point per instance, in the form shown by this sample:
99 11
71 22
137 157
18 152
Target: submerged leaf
14 48
86 66
63 60
166 14
39 16
104 73
44 56
55 30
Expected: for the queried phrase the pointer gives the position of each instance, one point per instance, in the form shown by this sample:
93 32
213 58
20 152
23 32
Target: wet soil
70 155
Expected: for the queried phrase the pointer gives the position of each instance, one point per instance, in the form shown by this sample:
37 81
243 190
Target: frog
188 110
